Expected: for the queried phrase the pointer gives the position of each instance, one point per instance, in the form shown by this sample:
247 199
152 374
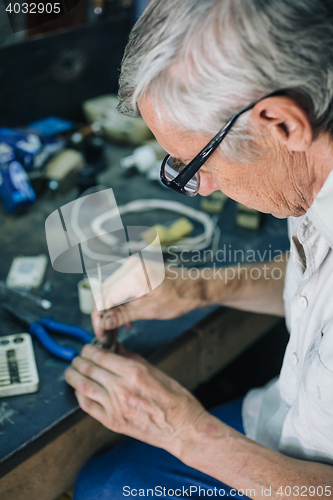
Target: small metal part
97 342
113 348
47 287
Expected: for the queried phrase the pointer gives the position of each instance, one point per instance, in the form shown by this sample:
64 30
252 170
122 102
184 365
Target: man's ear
285 120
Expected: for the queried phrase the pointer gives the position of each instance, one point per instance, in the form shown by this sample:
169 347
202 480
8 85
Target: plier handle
39 329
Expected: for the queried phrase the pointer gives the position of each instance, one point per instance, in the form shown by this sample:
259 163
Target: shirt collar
321 210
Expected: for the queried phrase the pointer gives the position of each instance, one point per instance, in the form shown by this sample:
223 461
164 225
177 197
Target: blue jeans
122 471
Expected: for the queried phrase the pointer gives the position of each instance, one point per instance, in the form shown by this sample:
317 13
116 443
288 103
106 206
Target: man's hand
130 396
180 293
172 298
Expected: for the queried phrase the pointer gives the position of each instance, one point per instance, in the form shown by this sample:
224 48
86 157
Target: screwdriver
110 335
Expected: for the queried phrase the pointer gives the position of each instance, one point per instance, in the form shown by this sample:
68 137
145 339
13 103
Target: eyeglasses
184 178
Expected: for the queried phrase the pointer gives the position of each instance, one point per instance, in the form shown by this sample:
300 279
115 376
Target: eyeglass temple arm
192 168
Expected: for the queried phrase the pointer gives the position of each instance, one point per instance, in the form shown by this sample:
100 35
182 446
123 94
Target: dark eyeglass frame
178 183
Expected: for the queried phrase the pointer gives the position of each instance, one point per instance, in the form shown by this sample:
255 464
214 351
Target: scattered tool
39 328
18 371
62 170
27 272
14 293
109 335
120 128
167 234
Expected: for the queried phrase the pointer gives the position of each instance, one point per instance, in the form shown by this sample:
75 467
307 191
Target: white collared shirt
293 413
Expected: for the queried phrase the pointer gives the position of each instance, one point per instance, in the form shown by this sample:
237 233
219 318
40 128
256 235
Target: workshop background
59 137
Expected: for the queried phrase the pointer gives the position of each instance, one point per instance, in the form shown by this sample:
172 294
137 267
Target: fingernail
110 322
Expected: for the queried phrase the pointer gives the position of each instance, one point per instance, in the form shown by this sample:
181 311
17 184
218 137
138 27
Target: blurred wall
52 75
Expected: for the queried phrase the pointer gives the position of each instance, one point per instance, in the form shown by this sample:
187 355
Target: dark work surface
25 418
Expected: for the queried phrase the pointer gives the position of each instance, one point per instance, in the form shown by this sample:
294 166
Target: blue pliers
39 329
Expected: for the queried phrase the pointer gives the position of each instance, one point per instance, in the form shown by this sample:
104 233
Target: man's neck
320 156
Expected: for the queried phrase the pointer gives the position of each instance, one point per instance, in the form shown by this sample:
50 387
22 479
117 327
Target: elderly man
257 75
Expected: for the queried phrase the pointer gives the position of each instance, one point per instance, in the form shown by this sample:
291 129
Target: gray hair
203 60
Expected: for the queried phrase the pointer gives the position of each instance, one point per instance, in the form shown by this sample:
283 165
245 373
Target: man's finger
93 409
113 318
118 365
122 351
100 323
85 386
96 320
88 369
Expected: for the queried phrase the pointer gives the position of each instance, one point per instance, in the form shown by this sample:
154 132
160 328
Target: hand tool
6 291
109 335
39 328
18 370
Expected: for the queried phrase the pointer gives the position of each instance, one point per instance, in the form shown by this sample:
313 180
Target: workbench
44 437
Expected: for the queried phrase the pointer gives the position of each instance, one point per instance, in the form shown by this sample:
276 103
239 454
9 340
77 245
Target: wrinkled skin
130 396
169 300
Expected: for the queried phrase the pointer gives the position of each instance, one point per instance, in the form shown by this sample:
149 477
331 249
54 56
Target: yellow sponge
179 229
213 203
247 218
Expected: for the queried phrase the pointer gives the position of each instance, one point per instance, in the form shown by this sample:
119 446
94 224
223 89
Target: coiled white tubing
198 242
